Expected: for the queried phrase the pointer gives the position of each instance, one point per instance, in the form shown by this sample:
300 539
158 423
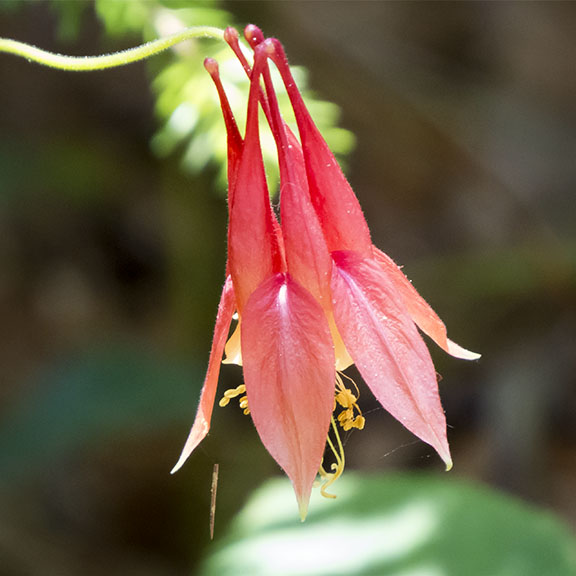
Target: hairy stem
89 63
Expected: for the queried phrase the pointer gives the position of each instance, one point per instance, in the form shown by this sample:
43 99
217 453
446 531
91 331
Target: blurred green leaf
10 5
187 105
122 18
395 525
122 390
70 15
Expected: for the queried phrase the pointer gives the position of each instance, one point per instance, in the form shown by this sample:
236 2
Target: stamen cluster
348 418
234 393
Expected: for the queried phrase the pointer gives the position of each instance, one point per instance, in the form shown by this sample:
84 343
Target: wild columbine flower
313 296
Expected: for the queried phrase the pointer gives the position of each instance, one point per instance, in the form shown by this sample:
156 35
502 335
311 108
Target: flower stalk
103 62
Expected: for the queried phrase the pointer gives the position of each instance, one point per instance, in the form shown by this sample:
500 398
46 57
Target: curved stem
88 63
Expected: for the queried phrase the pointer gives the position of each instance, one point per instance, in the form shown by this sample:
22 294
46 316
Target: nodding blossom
312 295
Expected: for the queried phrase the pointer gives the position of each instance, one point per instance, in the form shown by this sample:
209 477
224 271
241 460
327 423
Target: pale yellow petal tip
303 510
449 464
459 352
181 461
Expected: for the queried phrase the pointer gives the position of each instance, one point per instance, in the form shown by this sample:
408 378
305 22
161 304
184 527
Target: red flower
313 296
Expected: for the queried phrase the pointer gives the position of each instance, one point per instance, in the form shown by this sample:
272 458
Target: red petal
334 200
420 311
204 414
289 375
232 133
387 349
307 255
254 240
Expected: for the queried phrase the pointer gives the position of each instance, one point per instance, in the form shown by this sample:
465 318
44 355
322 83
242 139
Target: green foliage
116 391
186 102
394 525
69 16
122 18
10 5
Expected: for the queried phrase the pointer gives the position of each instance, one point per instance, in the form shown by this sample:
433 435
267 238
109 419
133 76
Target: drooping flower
287 354
313 295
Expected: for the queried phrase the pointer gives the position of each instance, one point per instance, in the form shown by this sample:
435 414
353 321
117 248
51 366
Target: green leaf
113 391
8 6
187 105
123 18
70 15
394 525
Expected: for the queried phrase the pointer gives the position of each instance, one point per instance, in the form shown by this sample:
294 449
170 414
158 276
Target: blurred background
457 126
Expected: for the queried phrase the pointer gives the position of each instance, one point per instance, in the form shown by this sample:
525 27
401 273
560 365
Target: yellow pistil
233 393
349 417
328 478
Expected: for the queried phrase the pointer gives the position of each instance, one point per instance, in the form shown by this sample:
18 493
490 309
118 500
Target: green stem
87 63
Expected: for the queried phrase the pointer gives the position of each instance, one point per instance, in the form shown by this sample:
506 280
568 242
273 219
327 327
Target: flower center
349 416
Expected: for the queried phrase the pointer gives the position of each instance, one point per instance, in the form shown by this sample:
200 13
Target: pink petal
420 311
387 348
289 375
338 208
204 414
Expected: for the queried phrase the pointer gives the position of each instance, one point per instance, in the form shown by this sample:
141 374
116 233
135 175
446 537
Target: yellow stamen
349 417
234 393
349 401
